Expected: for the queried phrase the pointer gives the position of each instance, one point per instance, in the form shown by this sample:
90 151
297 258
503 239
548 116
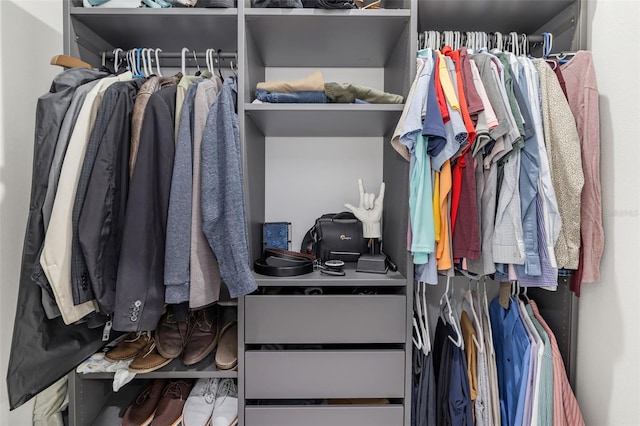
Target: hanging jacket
140 282
39 344
101 199
223 215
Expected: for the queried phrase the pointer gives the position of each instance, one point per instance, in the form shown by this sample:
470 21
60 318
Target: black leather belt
283 263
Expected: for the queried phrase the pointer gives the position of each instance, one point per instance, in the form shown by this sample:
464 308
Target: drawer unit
325 319
324 374
325 415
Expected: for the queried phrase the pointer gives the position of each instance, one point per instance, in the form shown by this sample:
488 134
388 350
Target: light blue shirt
512 347
420 189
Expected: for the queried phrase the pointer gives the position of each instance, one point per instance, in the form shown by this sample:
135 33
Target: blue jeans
292 98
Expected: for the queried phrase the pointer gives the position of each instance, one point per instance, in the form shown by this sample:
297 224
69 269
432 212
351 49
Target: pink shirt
582 93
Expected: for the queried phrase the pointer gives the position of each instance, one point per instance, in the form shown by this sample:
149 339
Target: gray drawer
324 374
325 319
326 415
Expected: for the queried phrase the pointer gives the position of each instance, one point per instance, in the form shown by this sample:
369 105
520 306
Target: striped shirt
566 411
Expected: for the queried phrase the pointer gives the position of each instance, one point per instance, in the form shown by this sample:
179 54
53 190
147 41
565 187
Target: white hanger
450 316
184 68
417 340
468 297
145 68
158 61
150 61
423 321
116 59
195 58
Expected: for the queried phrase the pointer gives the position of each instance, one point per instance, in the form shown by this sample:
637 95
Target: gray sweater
223 214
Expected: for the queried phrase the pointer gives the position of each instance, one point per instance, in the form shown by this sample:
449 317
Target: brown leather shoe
227 353
171 335
128 347
174 395
148 360
203 337
141 410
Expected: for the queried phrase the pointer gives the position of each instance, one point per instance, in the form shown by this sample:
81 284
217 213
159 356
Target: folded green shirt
347 93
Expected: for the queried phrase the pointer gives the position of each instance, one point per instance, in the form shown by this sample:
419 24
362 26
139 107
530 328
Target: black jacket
140 283
44 350
101 197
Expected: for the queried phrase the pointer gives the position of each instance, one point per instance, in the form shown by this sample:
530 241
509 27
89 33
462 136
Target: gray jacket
204 287
223 215
178 244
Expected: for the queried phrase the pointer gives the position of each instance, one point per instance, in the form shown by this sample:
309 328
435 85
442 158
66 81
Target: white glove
369 211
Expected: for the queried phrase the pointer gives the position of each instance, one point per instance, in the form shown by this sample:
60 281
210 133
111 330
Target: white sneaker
199 406
225 410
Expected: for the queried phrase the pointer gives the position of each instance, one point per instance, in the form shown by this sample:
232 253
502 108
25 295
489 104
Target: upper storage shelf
327 38
170 29
523 16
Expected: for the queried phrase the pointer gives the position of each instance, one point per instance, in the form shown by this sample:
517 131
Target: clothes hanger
468 297
116 59
157 51
417 340
208 60
234 69
66 61
219 51
423 320
145 67
150 61
447 310
184 68
195 58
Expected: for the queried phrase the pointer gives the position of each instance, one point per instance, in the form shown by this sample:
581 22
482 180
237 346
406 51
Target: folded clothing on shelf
314 82
329 4
277 3
348 93
292 98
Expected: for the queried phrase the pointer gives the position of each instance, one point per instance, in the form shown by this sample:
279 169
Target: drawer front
325 319
343 415
324 374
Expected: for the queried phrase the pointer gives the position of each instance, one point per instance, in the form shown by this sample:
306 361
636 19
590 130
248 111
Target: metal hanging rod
178 55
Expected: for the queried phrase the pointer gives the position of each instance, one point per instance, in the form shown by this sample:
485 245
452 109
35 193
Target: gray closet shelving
361 342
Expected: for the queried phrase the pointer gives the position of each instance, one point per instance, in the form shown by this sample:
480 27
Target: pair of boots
194 338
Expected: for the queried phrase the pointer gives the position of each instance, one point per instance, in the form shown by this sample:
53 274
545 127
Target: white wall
609 336
30 34
608 387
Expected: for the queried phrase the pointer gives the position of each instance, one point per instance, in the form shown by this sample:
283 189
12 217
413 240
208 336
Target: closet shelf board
351 278
175 370
324 120
299 38
523 16
169 29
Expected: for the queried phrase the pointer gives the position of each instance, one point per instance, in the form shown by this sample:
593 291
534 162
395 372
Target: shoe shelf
324 120
175 370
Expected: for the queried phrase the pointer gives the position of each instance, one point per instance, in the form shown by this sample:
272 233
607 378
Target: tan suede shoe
227 353
129 347
149 360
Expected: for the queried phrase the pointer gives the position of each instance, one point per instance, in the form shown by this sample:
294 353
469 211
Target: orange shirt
444 245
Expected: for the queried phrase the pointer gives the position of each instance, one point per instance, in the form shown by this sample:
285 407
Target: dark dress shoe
141 410
205 324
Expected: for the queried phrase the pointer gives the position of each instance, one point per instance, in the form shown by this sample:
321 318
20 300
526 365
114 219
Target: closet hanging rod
178 55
